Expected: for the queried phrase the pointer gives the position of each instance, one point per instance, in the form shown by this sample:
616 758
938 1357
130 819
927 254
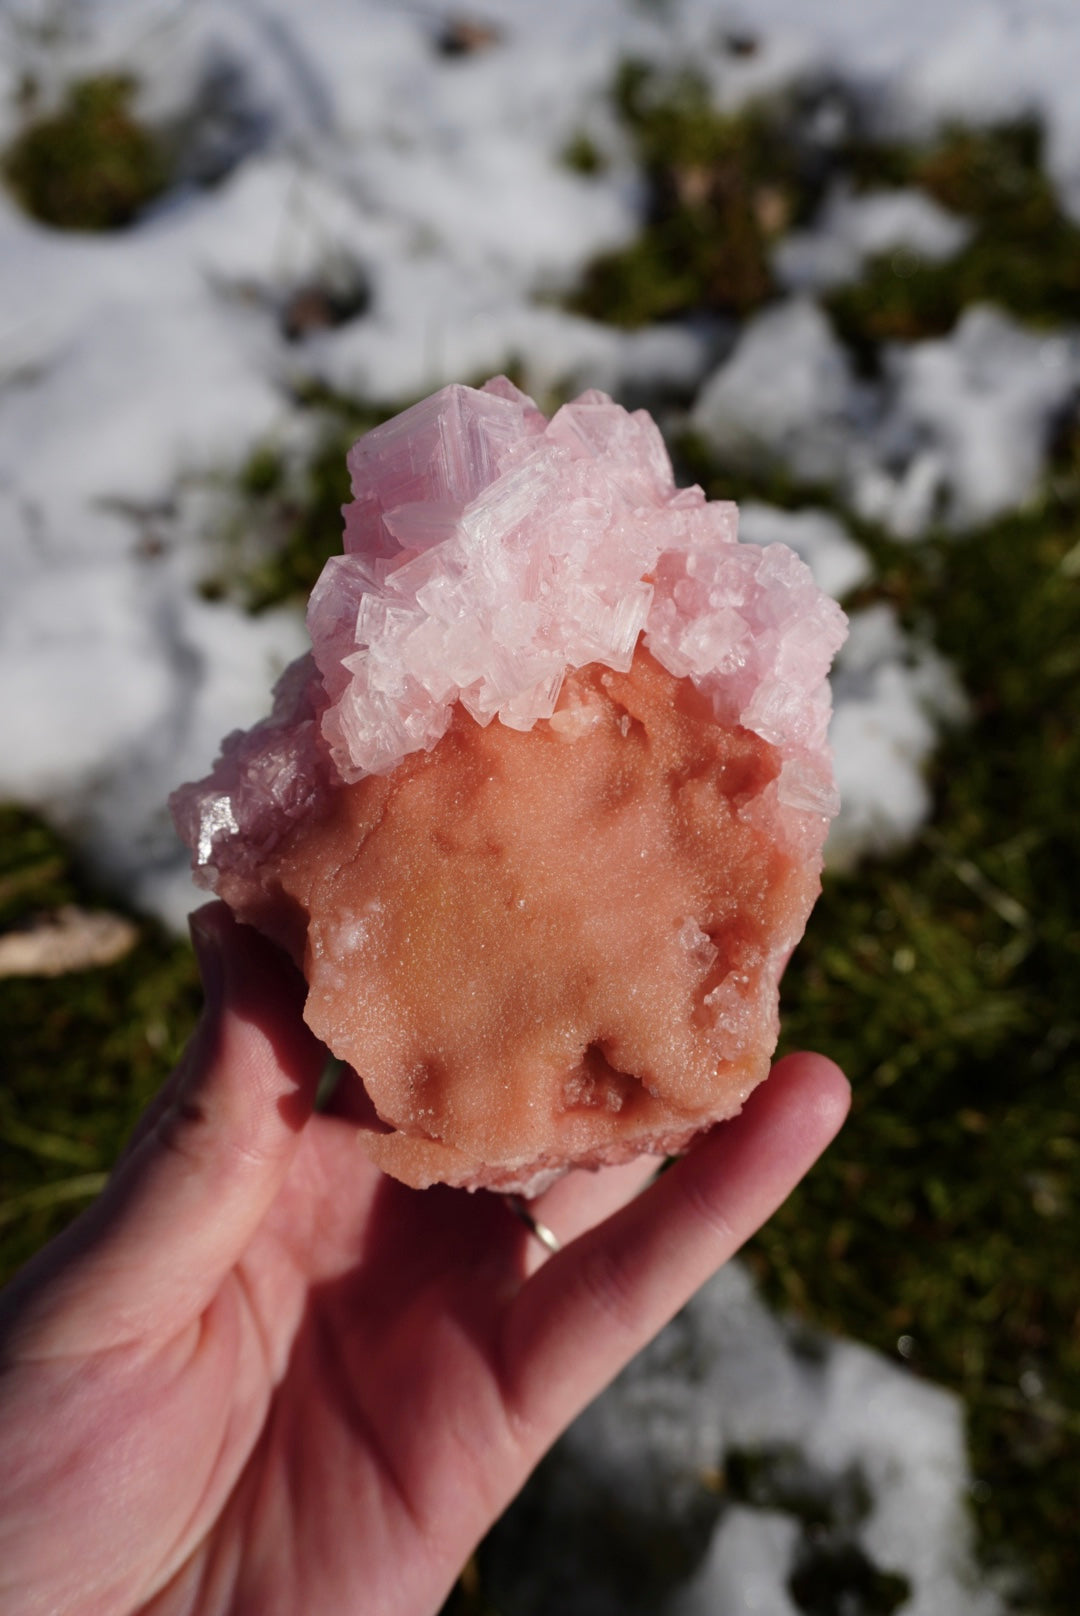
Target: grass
582 155
946 983
831 1572
80 1054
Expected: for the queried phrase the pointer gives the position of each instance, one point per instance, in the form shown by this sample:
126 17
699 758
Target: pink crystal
496 565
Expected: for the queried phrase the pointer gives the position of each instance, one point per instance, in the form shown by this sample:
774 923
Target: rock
68 939
556 939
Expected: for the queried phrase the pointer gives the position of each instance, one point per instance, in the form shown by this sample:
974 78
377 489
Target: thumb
203 1168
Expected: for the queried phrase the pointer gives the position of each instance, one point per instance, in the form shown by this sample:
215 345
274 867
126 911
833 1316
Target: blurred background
835 249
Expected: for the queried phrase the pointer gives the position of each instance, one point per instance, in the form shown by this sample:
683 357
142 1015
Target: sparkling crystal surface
550 577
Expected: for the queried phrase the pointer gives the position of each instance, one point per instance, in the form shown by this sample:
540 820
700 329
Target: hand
258 1376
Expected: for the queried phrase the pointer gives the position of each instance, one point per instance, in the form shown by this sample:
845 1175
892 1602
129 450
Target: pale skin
258 1376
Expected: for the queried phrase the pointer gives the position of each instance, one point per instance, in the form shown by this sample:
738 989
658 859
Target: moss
1024 253
581 155
91 165
81 1054
779 1478
719 189
947 983
263 473
286 521
989 174
696 461
832 1575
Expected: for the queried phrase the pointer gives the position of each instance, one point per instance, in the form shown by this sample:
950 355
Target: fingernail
207 945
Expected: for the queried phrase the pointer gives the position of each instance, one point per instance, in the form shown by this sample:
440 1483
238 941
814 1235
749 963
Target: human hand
258 1376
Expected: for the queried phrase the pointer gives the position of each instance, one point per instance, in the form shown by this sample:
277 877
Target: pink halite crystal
557 939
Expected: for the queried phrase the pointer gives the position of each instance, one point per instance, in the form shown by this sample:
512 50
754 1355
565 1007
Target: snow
852 229
879 1452
888 691
916 64
956 431
786 396
965 422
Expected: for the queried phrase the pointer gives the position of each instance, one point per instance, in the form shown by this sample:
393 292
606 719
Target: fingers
583 1199
205 1166
589 1308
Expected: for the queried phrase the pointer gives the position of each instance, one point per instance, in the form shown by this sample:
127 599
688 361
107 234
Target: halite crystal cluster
661 695
489 551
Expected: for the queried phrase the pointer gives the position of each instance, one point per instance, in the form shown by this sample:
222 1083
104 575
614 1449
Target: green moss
91 165
1024 253
80 1054
719 189
582 155
263 473
287 519
993 174
833 1580
766 479
779 1478
946 982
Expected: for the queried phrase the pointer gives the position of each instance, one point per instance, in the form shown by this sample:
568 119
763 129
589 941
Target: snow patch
852 229
965 426
880 1453
955 433
787 396
890 693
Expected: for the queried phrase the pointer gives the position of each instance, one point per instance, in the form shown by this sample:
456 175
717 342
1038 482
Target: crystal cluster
659 688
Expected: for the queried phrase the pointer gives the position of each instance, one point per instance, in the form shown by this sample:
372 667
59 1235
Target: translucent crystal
535 544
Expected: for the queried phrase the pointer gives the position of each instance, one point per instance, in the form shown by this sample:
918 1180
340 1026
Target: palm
361 1315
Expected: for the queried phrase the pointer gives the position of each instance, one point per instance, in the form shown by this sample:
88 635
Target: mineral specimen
555 939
